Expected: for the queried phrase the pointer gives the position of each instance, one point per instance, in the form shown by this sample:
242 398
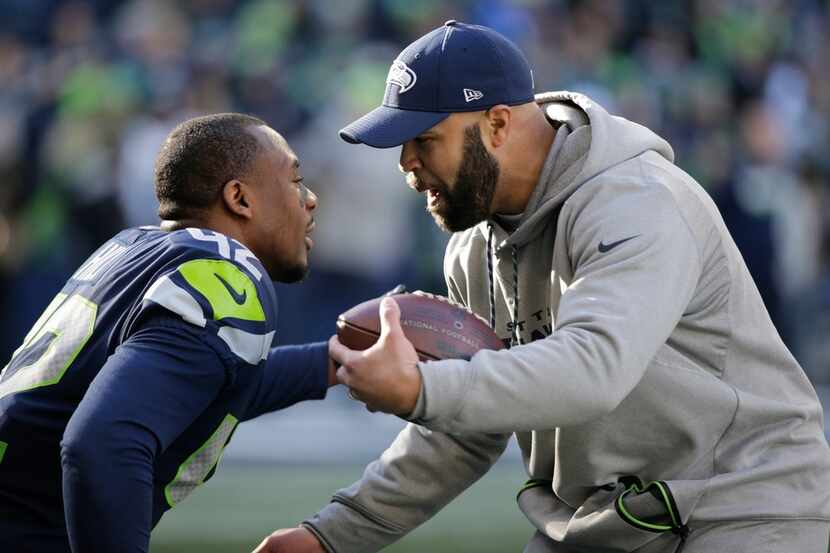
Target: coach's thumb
390 318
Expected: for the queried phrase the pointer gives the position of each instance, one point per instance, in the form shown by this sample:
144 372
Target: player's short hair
198 157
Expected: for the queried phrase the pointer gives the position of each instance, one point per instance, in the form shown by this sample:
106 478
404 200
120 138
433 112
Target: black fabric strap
660 491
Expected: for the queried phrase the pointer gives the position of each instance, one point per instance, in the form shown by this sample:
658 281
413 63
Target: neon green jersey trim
193 471
3 446
230 292
71 321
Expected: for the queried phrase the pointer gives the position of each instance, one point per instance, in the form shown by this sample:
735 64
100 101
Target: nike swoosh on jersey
237 297
608 247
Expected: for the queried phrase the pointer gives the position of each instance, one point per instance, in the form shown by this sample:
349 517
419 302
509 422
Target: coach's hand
386 376
290 540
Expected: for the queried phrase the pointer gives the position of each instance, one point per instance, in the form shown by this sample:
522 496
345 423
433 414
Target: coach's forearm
415 477
341 529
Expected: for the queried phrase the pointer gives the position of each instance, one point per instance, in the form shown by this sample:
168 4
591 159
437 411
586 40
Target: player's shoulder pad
216 279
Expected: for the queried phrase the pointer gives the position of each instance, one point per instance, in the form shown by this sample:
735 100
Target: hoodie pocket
595 524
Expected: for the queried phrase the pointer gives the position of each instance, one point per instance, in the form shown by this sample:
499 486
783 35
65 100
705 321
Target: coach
655 404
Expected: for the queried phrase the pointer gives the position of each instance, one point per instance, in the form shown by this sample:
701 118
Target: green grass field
243 503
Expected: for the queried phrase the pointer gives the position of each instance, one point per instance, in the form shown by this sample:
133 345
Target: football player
125 392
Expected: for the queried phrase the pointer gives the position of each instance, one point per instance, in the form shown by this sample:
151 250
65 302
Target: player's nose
310 200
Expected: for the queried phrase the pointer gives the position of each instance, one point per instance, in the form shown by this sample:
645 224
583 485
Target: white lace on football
445 299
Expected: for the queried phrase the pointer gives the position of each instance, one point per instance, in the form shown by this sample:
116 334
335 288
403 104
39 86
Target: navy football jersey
130 384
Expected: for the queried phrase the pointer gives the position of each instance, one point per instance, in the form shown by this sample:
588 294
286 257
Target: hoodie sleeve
415 477
635 264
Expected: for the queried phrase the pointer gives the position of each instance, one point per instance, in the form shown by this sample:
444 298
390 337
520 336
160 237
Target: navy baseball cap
456 67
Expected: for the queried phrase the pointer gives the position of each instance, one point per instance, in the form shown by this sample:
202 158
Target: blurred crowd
740 88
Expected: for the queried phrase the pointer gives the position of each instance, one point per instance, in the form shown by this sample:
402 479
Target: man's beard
469 202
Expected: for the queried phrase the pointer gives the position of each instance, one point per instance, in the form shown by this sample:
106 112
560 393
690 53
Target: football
437 327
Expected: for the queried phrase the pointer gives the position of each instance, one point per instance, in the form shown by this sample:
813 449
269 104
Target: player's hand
386 376
290 540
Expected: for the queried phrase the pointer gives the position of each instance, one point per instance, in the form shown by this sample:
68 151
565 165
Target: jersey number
51 346
241 255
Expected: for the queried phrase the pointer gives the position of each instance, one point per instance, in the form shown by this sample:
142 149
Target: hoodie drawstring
516 337
490 276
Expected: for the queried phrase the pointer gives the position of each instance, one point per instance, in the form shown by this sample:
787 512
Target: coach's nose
409 158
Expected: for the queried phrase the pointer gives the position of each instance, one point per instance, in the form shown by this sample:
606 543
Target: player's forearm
292 374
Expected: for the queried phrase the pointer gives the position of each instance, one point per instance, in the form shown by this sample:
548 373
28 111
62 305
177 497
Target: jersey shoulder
214 282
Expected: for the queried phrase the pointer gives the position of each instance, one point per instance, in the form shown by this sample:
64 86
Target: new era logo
470 94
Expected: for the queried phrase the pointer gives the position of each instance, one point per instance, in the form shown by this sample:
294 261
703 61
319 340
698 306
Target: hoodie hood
588 142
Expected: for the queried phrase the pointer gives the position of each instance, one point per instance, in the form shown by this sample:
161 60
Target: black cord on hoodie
516 337
490 276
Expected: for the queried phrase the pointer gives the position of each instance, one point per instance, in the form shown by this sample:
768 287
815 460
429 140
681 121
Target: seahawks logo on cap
401 75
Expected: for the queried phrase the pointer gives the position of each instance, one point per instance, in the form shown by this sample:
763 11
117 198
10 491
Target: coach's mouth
433 197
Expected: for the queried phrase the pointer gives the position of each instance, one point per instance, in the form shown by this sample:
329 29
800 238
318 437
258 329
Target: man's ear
236 197
497 124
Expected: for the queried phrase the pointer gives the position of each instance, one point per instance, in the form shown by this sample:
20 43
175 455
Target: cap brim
386 127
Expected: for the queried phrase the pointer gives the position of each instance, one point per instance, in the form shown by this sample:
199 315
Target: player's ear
497 124
236 198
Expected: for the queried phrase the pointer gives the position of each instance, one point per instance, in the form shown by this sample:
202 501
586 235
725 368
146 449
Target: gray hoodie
647 387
